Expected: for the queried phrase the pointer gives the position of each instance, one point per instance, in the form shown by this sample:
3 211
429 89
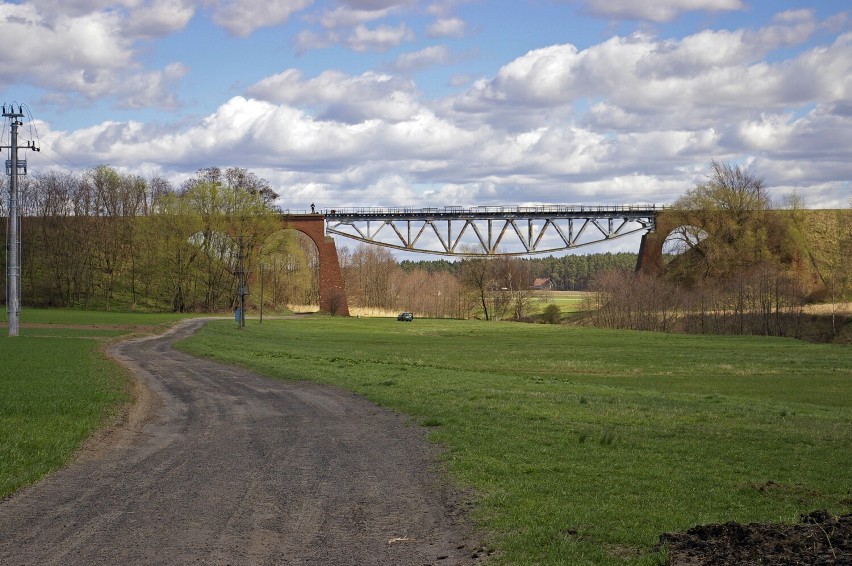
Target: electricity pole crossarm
14 167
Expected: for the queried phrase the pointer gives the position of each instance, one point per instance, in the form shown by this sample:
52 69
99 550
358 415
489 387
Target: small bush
552 314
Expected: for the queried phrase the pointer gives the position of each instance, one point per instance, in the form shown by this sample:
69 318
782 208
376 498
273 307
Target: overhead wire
69 165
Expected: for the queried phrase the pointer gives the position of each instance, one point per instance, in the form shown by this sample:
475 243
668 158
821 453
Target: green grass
57 387
76 317
584 445
565 299
569 302
53 393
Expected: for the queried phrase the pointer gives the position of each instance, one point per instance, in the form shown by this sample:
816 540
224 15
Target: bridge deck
492 212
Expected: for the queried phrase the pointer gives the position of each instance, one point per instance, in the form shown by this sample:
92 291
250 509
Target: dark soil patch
819 539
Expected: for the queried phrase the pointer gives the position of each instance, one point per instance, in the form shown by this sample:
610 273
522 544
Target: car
405 317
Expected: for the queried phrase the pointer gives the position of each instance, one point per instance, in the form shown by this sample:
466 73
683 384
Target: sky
443 102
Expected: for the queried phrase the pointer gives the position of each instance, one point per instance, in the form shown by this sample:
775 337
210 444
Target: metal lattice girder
490 230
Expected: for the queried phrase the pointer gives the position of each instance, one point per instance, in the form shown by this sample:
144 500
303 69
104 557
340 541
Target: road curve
221 466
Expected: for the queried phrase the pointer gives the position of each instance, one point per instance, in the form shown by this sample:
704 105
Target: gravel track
216 465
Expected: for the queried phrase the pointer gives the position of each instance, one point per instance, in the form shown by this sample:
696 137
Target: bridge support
650 260
332 289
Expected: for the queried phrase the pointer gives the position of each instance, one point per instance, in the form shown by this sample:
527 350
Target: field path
217 465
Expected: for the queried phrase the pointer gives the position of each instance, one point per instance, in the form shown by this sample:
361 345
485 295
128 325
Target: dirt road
220 466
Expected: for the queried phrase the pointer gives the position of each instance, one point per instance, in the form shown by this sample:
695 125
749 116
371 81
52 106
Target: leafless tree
477 274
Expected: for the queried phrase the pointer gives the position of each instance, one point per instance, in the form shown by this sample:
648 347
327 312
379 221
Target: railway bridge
479 231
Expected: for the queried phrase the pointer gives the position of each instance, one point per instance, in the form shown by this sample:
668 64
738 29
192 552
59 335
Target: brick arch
650 259
332 288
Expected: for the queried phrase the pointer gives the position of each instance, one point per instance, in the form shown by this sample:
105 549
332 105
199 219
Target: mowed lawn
582 446
57 387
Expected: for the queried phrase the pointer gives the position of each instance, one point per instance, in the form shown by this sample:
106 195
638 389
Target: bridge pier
332 288
650 260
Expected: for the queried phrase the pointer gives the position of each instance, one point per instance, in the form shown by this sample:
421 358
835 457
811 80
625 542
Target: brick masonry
332 288
650 259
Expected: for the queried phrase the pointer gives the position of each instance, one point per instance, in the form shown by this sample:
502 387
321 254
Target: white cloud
444 8
151 89
159 18
336 96
137 18
74 8
242 17
692 82
769 132
427 57
343 17
380 38
307 39
360 38
657 10
377 4
89 55
382 162
446 27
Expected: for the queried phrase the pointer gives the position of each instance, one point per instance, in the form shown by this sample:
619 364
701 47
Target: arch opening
682 240
332 291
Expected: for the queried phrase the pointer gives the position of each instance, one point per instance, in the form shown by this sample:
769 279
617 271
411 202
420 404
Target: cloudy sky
442 102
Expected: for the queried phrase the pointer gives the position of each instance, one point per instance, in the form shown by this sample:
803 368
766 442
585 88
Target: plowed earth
818 540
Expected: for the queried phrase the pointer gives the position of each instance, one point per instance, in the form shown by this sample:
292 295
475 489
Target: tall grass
584 445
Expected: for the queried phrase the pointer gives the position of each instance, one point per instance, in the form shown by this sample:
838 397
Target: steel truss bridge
490 230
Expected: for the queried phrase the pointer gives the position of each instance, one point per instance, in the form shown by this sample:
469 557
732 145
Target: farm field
567 301
57 387
582 446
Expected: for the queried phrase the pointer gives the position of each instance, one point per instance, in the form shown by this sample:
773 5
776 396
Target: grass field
581 445
57 387
102 319
567 301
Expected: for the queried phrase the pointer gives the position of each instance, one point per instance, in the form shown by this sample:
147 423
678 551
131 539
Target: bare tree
477 274
514 278
369 277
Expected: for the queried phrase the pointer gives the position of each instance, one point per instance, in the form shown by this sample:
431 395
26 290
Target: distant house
542 284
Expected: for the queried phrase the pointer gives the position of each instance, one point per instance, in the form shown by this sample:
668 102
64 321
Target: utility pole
14 167
242 287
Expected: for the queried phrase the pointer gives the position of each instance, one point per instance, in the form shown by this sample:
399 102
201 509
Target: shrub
552 314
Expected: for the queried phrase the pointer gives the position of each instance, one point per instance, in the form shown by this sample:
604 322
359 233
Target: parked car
405 317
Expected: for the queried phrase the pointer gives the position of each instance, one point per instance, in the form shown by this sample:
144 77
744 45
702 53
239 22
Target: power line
69 165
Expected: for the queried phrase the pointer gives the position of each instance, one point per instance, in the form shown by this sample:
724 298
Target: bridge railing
491 209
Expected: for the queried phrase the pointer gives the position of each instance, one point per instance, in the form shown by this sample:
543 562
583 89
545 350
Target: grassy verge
584 445
57 387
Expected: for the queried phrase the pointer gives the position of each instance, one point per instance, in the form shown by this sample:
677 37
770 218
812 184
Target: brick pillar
332 289
650 260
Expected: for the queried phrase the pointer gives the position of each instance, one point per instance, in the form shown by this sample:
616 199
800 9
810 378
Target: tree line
740 266
107 239
491 288
565 273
